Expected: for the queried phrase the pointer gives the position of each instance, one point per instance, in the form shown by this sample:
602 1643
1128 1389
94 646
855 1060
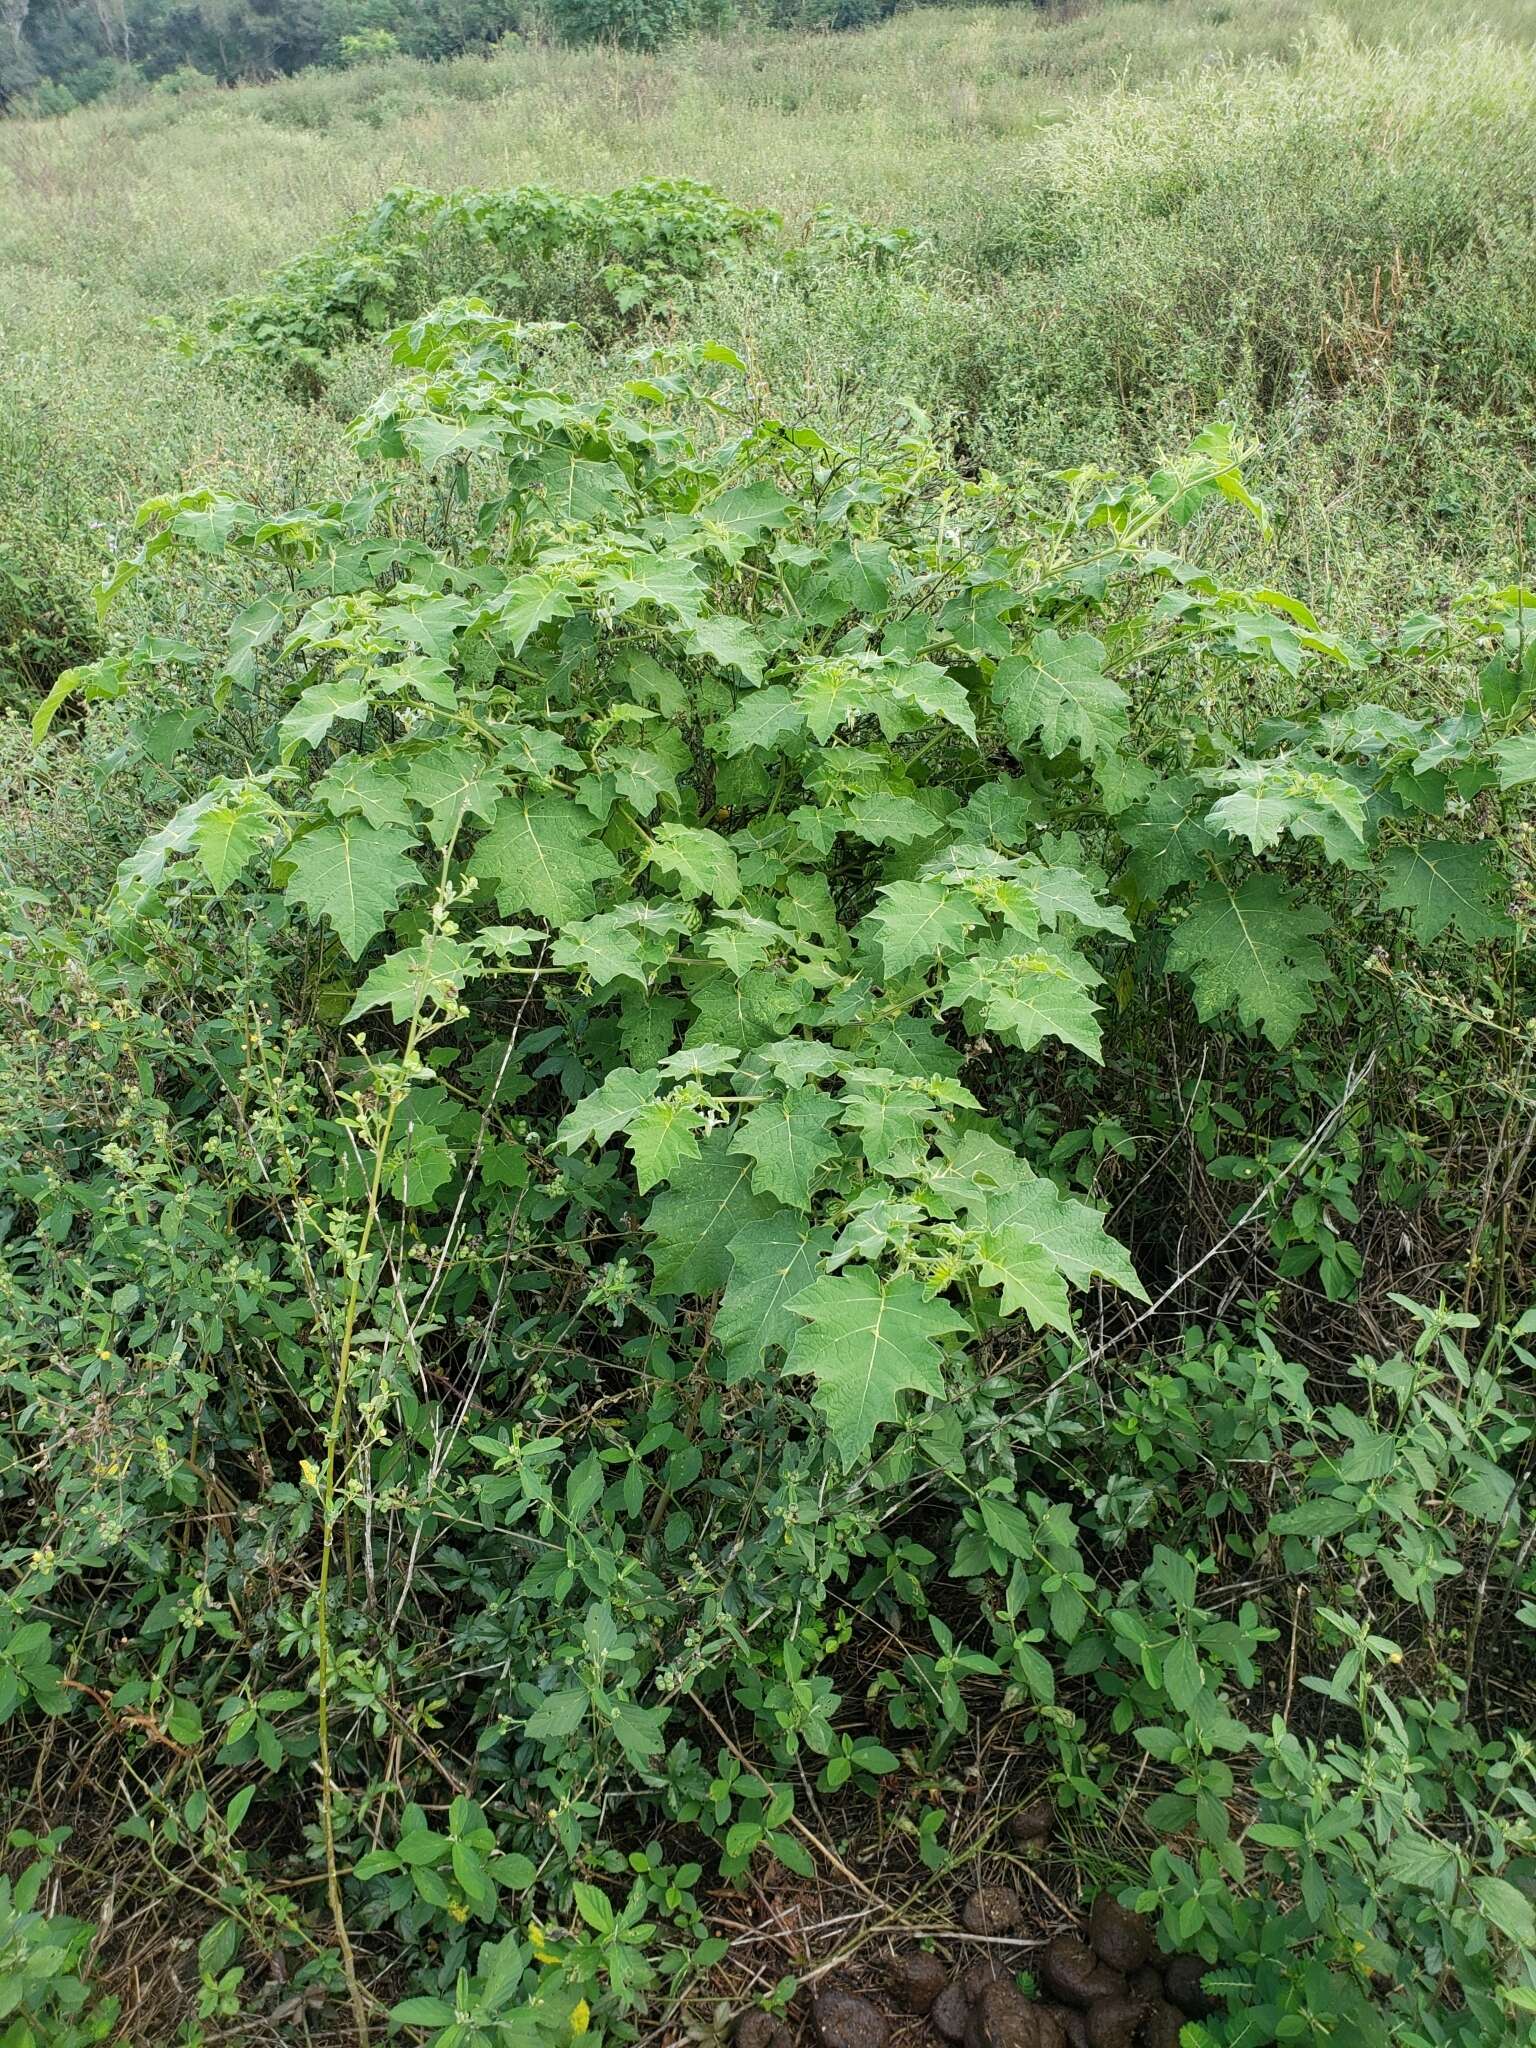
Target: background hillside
1135 217
767 1039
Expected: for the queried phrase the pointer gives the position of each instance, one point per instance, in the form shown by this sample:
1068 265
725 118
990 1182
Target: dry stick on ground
824 1849
1355 1081
892 1921
1290 1668
121 1719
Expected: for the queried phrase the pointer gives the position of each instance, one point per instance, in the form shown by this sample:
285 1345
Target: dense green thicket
578 1136
780 810
751 1099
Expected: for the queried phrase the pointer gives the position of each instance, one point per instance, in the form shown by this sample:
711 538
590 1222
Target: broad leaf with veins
773 1260
543 856
865 1341
917 922
1027 991
1252 950
788 1141
1058 691
1448 884
352 874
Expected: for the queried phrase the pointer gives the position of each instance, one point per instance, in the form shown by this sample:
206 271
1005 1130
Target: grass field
455 1585
1316 224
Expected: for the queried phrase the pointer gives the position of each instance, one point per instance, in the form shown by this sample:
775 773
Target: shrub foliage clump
561 1309
609 255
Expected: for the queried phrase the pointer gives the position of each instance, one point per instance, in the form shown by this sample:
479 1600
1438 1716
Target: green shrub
833 14
369 46
400 1350
184 79
614 1056
43 1994
632 24
613 254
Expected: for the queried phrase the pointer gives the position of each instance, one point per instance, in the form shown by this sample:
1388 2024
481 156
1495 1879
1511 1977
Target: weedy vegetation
769 1071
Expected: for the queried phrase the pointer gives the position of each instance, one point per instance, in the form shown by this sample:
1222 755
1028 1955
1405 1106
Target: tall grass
1138 216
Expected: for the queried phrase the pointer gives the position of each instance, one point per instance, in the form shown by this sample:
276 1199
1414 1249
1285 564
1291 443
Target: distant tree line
57 54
